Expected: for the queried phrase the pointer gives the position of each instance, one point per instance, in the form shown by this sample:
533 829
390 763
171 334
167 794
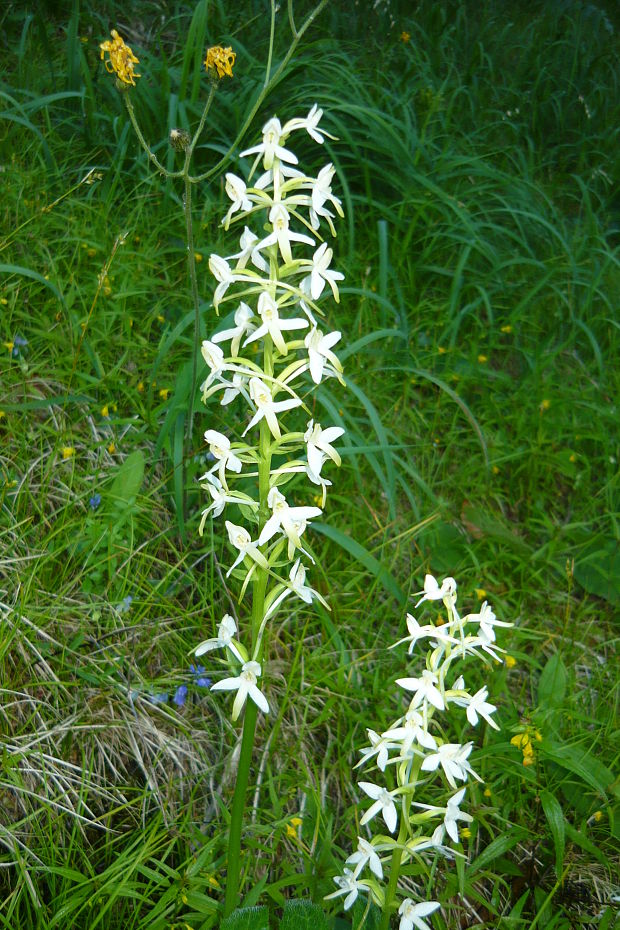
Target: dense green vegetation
478 145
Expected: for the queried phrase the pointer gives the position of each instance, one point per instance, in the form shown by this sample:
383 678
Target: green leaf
128 480
575 836
555 818
247 918
552 684
303 915
497 848
363 555
598 570
581 763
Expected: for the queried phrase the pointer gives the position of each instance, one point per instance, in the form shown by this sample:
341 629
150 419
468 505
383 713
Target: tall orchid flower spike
276 357
245 686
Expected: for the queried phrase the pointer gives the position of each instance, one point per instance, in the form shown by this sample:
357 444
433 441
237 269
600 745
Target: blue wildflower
94 501
199 679
125 604
180 695
157 698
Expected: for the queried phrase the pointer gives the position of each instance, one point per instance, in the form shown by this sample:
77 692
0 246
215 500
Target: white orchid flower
487 620
424 689
248 252
298 586
432 591
266 407
243 324
412 730
279 219
224 639
237 191
223 273
289 520
270 147
348 885
319 352
379 747
478 706
234 389
321 273
273 324
383 801
417 632
453 759
452 813
219 446
310 123
241 540
412 914
245 686
221 496
365 856
319 445
321 193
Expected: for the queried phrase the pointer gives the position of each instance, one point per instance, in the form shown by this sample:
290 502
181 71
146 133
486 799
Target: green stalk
259 589
390 903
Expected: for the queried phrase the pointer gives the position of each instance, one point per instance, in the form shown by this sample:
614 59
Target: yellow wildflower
160 318
481 594
598 816
9 345
291 827
495 470
3 301
68 452
122 59
2 414
164 392
545 404
405 37
506 329
220 61
487 792
105 411
212 880
466 832
197 257
510 661
111 448
520 740
441 350
482 359
140 387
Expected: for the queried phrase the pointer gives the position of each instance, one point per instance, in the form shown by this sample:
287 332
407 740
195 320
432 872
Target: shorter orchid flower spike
245 685
224 639
412 914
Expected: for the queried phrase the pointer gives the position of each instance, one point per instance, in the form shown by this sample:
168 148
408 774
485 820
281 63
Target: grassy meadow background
477 157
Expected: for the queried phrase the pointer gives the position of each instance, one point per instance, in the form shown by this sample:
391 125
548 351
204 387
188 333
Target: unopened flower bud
179 139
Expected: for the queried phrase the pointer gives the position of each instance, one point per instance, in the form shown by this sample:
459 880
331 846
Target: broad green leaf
598 570
128 480
581 763
303 915
247 918
577 837
555 819
552 684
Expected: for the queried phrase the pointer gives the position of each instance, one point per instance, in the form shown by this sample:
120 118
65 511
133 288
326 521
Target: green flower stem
152 156
391 901
236 815
259 589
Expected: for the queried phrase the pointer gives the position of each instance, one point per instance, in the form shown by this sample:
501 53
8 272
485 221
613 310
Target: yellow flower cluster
121 60
220 61
523 741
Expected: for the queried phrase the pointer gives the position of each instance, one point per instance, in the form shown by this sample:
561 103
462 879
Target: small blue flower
94 501
180 695
199 679
157 698
20 341
125 604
